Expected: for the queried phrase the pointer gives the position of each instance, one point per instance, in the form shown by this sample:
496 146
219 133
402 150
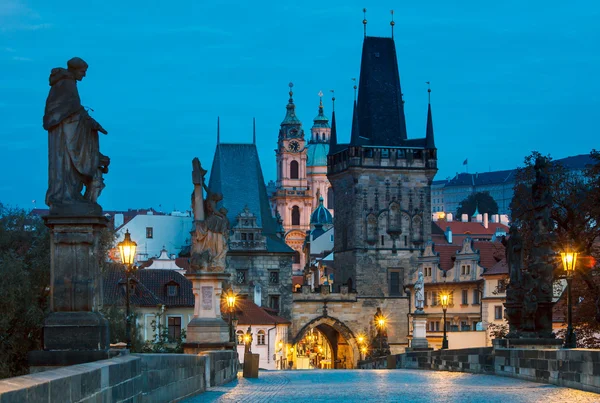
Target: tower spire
392 23
429 138
218 130
290 115
333 136
365 20
253 130
355 87
332 100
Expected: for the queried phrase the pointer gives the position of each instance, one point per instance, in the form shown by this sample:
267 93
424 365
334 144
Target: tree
480 201
24 291
576 218
161 342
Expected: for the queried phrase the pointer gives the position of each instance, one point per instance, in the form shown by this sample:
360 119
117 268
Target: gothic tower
292 198
381 182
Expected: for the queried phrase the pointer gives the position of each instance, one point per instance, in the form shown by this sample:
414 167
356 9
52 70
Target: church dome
317 154
321 216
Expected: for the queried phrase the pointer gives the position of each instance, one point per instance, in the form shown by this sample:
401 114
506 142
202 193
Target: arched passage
340 338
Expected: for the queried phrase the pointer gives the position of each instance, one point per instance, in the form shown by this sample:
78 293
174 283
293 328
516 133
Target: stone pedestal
207 330
419 340
74 331
251 365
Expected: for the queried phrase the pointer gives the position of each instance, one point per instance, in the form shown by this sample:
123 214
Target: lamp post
444 301
127 250
230 298
364 351
380 322
569 260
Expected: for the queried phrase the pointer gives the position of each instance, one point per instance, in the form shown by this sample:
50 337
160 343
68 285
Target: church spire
290 115
354 136
333 136
253 130
218 130
429 138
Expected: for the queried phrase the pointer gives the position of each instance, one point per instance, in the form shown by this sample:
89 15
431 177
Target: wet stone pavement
368 386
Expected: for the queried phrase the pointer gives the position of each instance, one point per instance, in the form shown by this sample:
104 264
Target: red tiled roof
490 253
248 313
499 268
447 253
183 262
474 228
297 280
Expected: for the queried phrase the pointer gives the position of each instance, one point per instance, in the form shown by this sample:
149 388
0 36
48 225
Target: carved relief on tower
394 219
371 228
417 230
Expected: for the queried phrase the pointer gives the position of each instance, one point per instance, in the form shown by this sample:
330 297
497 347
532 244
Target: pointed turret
321 121
355 134
333 137
290 116
429 139
218 130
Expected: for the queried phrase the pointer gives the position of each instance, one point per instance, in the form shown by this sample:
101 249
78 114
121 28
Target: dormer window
243 236
172 289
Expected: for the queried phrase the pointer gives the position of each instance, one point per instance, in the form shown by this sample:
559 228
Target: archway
344 351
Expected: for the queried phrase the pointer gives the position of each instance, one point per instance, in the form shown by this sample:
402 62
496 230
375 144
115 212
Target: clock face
294 146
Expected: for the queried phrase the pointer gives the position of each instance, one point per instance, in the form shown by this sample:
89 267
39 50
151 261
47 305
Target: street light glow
569 260
127 249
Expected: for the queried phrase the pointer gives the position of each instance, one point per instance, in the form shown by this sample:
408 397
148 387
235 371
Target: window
475 297
395 283
251 237
382 240
295 215
465 269
498 312
405 240
243 236
330 198
240 337
149 232
464 326
427 271
385 153
294 170
465 297
274 277
274 302
260 337
296 257
434 326
174 327
434 298
241 276
172 290
501 285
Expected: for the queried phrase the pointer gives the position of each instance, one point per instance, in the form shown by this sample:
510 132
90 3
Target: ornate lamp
380 323
444 297
569 261
127 249
230 299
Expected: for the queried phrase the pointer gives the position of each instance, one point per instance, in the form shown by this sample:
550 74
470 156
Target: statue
248 341
74 158
530 307
209 248
419 293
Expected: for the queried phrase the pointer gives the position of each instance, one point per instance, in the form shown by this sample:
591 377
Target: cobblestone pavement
368 386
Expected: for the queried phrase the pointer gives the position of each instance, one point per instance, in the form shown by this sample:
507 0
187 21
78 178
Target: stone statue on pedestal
74 158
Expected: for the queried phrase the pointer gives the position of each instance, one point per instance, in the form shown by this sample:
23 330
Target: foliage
25 268
576 217
498 330
482 201
161 342
116 316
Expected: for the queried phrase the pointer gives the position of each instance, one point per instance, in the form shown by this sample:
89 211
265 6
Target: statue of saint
209 246
248 341
514 259
420 293
74 158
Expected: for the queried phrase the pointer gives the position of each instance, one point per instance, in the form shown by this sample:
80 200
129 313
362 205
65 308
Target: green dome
317 154
321 216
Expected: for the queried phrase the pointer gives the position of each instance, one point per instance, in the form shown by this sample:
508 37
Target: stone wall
131 378
573 368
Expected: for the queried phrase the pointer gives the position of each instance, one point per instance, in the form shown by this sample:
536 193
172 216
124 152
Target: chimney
464 218
504 219
449 217
448 235
478 218
485 220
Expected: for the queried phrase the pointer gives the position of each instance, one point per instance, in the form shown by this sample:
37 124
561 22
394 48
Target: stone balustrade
132 378
573 368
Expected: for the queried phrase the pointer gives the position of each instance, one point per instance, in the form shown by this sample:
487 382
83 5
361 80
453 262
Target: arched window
323 136
240 337
294 170
295 215
296 257
261 337
330 198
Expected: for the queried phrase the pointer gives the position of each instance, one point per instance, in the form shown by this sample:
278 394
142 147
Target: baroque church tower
301 176
381 181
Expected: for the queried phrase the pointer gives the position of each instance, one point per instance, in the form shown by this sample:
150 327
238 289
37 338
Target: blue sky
507 78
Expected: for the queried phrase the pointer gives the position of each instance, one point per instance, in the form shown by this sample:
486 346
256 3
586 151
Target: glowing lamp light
444 299
127 249
360 338
364 350
569 260
380 321
280 344
230 297
246 338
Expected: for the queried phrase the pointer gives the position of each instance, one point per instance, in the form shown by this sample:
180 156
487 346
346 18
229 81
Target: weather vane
332 100
392 23
428 91
365 20
355 87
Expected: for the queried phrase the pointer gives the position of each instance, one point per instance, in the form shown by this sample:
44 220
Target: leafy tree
482 201
161 342
25 268
498 330
116 316
576 217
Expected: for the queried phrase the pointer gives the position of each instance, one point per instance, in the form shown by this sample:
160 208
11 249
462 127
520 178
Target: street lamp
127 250
444 301
230 298
569 260
380 323
364 350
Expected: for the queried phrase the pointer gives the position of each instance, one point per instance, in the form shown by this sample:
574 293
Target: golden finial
321 98
392 23
291 85
365 20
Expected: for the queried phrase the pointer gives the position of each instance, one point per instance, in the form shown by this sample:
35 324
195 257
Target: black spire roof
380 108
429 139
